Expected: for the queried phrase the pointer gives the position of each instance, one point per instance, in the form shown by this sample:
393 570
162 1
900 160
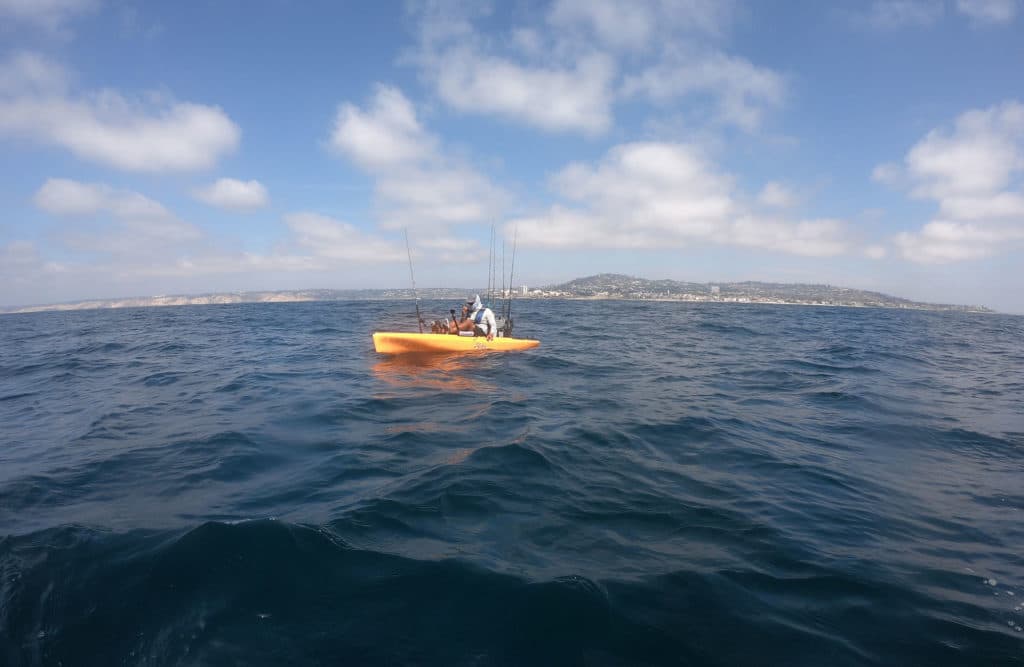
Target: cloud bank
658 195
136 236
566 71
417 184
105 127
973 173
143 218
327 238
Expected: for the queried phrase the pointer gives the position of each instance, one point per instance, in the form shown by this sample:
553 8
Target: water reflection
415 377
437 372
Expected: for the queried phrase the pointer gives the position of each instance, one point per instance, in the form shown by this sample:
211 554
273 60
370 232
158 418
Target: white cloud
124 242
221 264
979 157
943 241
233 194
616 23
146 221
742 90
658 195
989 11
776 195
61 196
974 175
107 128
317 244
22 266
889 174
895 14
147 250
452 195
451 244
332 239
49 15
28 73
452 249
563 75
876 252
811 238
999 206
24 273
386 135
18 255
555 87
653 185
416 183
640 24
576 98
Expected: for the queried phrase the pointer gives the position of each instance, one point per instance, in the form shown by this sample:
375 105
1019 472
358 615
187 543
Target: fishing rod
511 283
490 265
415 296
494 265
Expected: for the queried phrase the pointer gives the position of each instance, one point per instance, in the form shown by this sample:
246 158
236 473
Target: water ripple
250 484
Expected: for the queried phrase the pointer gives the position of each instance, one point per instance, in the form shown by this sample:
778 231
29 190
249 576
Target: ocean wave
263 592
711 485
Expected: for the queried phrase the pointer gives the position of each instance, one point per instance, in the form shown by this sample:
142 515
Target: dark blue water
656 484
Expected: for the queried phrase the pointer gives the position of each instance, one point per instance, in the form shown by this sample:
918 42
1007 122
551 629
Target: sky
220 145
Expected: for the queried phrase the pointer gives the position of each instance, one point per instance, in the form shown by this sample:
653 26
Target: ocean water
657 484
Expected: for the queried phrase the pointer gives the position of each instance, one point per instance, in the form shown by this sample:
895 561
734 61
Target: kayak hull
389 342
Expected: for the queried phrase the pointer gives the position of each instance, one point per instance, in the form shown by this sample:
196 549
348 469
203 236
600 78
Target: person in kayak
476 318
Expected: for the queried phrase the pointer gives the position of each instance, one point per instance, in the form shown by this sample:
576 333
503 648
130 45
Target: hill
601 286
619 286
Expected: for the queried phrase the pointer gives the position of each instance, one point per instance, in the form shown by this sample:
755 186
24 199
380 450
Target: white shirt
487 319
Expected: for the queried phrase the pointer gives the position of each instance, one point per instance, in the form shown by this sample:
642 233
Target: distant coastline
606 286
619 286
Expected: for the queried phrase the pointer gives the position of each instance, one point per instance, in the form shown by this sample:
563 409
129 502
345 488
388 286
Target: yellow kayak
389 342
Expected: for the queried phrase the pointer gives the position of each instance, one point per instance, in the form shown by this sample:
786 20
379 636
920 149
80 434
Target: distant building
716 290
525 291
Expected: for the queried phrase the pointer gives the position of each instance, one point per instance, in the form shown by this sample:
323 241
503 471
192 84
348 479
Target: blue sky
166 148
